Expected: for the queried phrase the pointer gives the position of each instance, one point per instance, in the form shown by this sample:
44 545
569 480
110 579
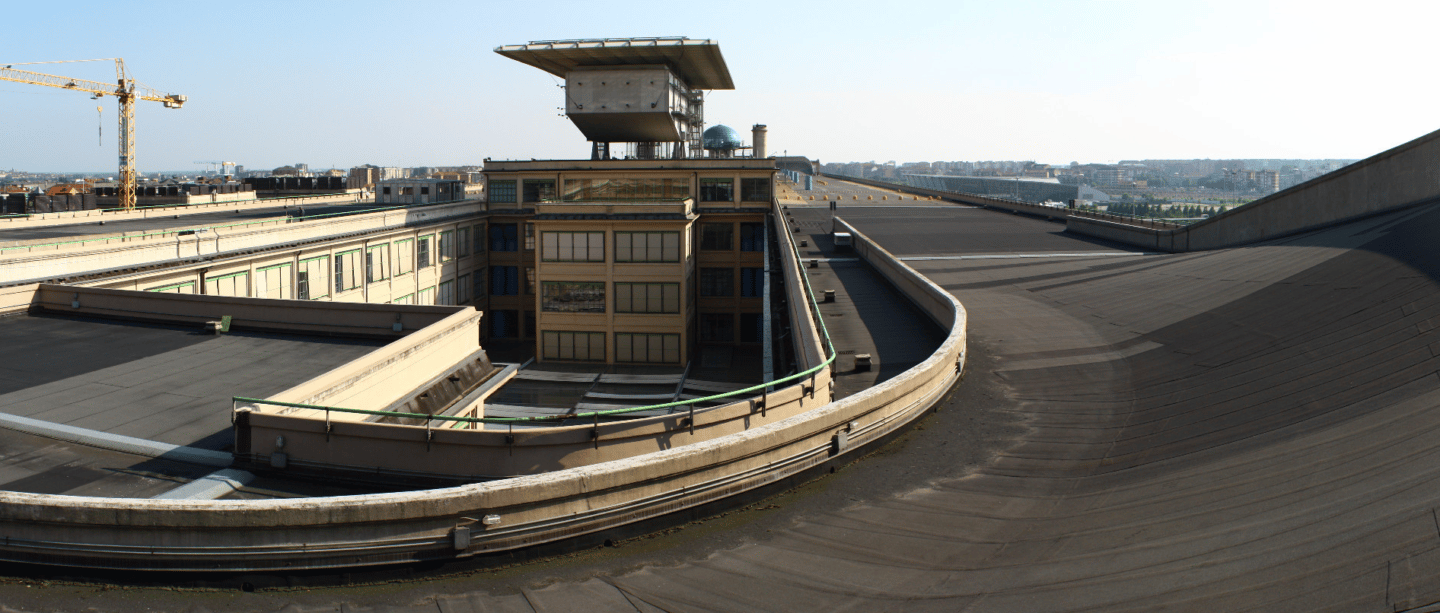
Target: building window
447 245
477 236
647 246
752 237
347 270
446 296
462 242
385 191
504 324
424 191
598 190
530 281
572 297
717 190
752 282
717 236
273 282
717 282
717 327
586 346
406 299
462 289
647 297
755 190
235 284
377 265
478 280
752 327
404 256
647 348
504 237
572 246
312 279
407 191
502 192
539 190
422 251
529 236
426 296
504 281
187 287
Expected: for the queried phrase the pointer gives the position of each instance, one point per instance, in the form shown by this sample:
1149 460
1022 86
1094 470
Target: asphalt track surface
1243 429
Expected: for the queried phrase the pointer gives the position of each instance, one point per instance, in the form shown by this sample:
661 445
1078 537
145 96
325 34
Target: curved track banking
1243 429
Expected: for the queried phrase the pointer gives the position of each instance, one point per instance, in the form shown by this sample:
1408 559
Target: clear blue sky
418 83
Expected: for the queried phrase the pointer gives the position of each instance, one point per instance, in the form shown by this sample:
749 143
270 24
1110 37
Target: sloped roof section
696 61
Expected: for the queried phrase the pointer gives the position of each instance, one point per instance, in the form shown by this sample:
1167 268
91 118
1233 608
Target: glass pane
597 247
622 348
622 297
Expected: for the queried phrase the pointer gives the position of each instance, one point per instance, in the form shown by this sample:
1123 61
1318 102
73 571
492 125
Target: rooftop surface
1242 429
159 383
168 222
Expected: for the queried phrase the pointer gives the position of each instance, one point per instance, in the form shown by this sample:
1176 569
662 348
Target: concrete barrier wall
17 298
374 380
294 316
482 517
810 348
49 260
1404 176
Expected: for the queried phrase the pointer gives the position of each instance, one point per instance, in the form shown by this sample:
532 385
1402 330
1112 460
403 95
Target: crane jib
126 90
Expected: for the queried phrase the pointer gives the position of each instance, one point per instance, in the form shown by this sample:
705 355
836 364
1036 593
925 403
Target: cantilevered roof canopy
698 62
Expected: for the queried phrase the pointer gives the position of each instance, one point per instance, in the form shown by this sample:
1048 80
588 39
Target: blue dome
722 138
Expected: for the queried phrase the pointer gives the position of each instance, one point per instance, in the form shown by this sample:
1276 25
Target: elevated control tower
648 92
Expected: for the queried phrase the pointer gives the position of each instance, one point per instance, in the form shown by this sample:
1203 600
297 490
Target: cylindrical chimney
759 140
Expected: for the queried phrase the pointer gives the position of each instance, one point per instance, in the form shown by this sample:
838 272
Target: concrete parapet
1404 176
293 316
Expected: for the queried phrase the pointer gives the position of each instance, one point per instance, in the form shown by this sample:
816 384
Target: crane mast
125 89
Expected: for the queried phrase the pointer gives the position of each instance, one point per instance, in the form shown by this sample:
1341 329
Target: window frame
630 237
556 295
592 255
660 288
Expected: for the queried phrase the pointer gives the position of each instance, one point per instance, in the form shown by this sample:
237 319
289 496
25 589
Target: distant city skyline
343 84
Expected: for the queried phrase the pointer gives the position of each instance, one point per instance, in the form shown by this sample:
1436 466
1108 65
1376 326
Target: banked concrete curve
456 522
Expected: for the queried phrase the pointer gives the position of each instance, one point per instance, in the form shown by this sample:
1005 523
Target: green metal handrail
829 346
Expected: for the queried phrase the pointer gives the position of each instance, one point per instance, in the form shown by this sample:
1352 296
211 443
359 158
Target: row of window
586 246
629 347
589 297
714 283
629 246
504 191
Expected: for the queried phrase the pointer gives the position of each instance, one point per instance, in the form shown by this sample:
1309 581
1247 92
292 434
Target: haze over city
339 85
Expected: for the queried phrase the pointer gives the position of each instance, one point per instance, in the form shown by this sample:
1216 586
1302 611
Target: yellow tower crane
126 89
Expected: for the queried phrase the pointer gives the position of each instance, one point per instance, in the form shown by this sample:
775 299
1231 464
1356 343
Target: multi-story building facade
627 261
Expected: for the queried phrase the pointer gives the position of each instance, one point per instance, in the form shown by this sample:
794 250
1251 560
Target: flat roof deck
167 222
160 383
